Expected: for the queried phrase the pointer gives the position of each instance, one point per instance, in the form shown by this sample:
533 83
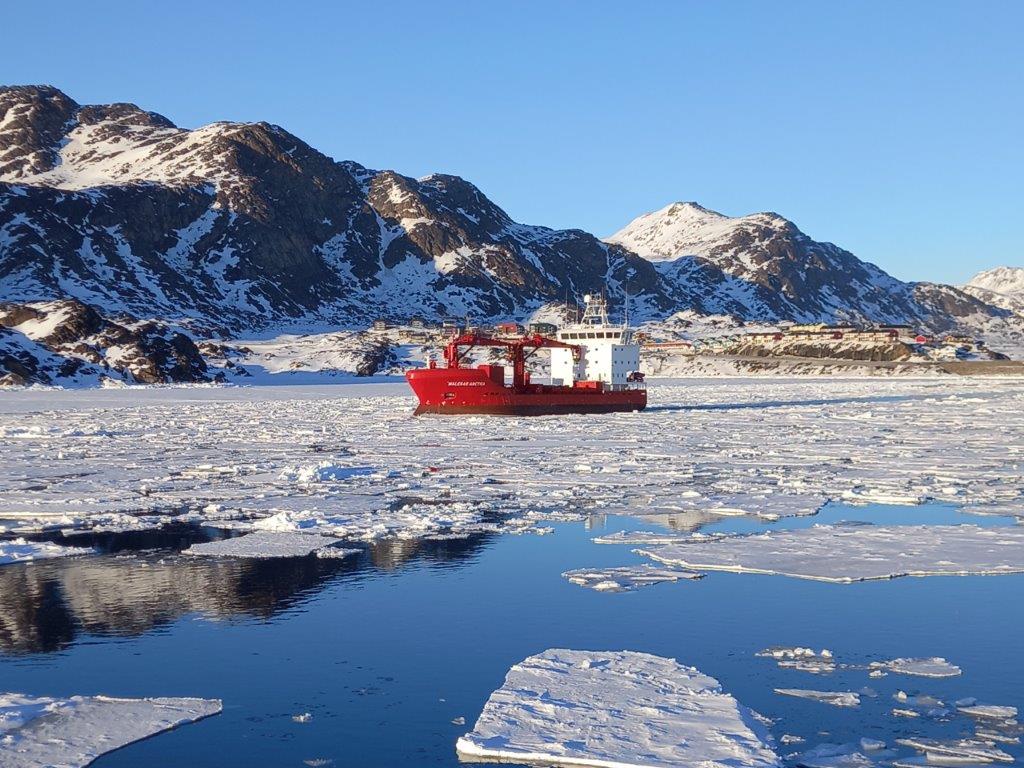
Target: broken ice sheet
802 659
626 578
40 732
935 666
265 544
864 754
835 698
615 709
23 551
843 554
957 750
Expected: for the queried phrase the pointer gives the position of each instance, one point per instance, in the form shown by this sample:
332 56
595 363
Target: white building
607 352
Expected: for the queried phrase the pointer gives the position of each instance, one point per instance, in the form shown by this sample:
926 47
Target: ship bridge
606 354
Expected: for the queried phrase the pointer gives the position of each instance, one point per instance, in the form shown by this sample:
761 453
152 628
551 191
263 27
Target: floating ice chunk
858 553
653 537
924 761
304 717
936 666
960 750
615 710
324 472
803 659
42 731
266 544
23 551
626 578
839 756
835 698
788 738
991 711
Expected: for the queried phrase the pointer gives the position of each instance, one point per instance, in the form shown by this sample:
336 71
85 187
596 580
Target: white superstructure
607 353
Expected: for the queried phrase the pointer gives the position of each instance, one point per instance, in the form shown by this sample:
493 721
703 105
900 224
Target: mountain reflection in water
141 582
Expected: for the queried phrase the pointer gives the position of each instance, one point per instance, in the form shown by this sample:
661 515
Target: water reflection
141 582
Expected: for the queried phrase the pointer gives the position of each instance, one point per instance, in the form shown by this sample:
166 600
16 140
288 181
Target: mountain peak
688 229
1008 281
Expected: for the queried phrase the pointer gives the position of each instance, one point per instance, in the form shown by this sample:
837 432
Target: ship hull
473 391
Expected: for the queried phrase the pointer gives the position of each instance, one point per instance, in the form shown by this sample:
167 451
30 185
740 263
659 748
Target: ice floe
865 753
957 750
803 659
626 578
40 732
835 698
991 711
264 544
839 553
22 551
935 666
615 710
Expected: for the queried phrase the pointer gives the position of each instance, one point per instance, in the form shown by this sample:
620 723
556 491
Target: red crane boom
516 350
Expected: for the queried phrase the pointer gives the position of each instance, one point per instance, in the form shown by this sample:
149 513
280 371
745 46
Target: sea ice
802 659
840 553
835 698
843 755
991 711
958 750
22 550
41 732
615 710
626 578
935 666
263 544
303 458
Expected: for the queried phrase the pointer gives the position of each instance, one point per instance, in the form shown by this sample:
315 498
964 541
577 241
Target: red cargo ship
606 355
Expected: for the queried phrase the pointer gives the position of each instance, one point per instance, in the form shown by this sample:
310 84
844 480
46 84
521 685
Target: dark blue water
384 650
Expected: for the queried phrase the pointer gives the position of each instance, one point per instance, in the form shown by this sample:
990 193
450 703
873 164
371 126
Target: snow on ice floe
264 544
988 711
39 732
839 553
865 753
762 448
935 666
835 698
615 709
626 578
957 750
803 659
23 551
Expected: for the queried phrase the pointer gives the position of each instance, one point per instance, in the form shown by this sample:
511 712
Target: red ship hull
483 391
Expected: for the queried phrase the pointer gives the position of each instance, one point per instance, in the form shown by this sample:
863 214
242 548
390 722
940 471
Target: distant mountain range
235 227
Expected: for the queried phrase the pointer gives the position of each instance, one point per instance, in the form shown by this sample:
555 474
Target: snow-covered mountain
245 225
1001 287
762 267
1008 281
238 227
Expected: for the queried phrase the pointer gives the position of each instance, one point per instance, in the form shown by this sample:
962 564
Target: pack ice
840 553
615 709
361 467
41 732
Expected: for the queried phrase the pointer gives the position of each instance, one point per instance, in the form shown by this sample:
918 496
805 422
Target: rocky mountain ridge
239 227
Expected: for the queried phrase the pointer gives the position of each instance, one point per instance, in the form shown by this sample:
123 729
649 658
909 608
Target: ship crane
516 349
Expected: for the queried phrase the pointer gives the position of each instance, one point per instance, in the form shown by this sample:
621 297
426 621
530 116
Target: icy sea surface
386 657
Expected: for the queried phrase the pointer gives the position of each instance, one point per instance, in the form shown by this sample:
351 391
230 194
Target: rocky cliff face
67 341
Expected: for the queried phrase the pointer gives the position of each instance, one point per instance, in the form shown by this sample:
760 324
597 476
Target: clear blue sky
895 129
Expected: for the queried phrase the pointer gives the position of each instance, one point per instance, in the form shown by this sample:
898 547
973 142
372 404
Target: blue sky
892 129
